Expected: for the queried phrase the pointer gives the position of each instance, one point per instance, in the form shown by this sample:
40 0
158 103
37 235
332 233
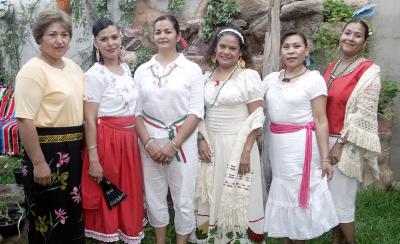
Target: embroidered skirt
118 151
55 212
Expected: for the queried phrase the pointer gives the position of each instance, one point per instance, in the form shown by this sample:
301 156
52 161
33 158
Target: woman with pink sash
299 206
112 150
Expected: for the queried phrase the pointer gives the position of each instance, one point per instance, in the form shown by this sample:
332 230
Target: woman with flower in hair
353 94
111 152
228 193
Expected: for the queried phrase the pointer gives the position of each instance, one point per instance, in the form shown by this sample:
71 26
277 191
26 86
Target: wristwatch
340 141
200 137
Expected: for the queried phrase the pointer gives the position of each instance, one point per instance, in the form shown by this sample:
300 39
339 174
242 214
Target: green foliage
143 55
101 8
326 41
127 8
7 164
219 13
12 39
389 90
337 11
175 6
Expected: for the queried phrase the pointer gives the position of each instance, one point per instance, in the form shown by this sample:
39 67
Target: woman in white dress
170 106
299 205
228 193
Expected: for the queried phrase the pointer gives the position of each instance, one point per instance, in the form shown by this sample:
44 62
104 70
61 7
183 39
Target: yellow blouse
49 96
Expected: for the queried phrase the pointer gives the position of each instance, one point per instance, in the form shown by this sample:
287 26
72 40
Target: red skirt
117 147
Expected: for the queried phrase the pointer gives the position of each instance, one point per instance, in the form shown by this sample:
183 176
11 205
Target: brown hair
48 17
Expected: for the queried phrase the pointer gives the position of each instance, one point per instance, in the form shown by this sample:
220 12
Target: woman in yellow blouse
49 108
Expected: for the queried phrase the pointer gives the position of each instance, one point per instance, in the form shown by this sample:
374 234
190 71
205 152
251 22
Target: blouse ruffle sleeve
196 99
254 86
95 84
318 86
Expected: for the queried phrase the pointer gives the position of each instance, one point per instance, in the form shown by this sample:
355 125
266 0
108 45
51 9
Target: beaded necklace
223 83
286 79
159 77
332 76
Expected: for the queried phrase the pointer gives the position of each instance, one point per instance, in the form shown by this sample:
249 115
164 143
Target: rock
251 10
284 2
239 24
308 26
301 9
357 3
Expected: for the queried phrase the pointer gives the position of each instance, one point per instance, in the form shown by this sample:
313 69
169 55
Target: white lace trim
114 237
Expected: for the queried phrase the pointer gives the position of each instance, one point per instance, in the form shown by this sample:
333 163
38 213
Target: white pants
344 191
180 177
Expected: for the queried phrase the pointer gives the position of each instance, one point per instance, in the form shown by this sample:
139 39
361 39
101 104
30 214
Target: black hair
175 24
98 26
294 33
362 23
243 47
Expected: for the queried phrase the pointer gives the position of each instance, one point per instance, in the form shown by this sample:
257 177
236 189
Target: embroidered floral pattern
61 215
64 159
76 196
42 225
24 170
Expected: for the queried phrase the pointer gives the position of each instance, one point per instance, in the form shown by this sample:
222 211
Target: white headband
234 31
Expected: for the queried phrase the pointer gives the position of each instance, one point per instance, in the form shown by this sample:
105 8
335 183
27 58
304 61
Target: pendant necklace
160 77
223 83
332 76
287 80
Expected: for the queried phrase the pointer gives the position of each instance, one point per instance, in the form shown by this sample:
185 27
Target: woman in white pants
170 106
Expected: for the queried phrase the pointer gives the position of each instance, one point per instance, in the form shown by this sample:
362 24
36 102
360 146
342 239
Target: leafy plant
219 12
337 11
13 36
326 41
101 7
389 90
143 54
127 8
175 6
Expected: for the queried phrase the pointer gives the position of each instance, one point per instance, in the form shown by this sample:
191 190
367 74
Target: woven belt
61 138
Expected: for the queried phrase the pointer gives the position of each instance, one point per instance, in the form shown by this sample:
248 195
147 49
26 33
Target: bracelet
148 142
326 160
91 147
174 146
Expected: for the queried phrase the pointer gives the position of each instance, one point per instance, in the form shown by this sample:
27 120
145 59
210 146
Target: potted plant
389 90
12 215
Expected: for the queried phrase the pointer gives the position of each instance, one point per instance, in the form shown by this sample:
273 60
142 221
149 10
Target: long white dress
224 119
291 104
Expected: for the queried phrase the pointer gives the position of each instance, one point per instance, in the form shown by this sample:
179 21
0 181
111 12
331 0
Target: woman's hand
95 170
244 166
204 151
154 151
327 170
335 153
42 174
167 153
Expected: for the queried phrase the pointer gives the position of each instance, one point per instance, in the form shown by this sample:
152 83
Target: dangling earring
97 55
241 63
121 54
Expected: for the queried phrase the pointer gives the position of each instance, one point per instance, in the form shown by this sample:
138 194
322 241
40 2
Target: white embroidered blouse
169 92
116 94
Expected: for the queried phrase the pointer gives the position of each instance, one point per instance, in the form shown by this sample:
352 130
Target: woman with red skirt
111 143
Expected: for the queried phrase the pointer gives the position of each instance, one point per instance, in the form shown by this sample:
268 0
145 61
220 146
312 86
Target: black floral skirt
54 212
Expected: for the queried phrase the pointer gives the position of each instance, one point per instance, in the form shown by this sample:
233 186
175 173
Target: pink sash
305 180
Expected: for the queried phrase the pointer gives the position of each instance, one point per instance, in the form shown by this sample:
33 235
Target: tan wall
385 51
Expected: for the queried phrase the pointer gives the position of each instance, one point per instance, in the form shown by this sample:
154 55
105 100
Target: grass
377 216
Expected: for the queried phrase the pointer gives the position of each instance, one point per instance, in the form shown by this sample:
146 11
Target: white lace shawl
361 127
